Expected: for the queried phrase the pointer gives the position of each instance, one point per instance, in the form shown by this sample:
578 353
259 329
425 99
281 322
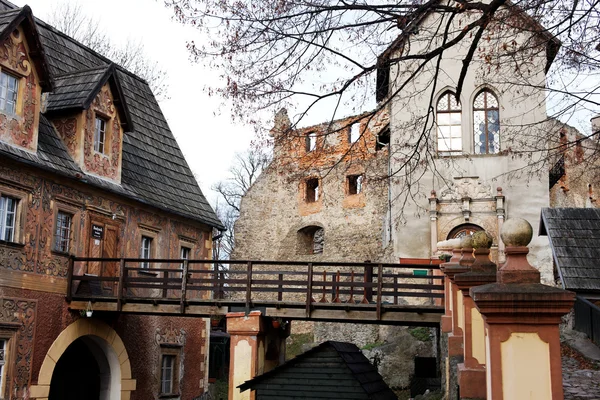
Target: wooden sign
97 231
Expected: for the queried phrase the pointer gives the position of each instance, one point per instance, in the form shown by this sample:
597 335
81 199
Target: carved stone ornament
467 187
170 335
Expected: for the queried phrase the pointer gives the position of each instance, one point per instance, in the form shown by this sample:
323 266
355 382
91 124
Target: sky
208 141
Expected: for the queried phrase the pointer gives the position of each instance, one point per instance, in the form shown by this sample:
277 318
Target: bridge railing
249 283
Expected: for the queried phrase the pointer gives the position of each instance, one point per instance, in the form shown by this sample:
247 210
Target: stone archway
108 348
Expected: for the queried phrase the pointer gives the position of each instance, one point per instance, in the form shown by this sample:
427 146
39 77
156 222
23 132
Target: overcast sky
208 142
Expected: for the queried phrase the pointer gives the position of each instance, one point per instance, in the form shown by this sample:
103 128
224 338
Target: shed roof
154 170
574 235
351 359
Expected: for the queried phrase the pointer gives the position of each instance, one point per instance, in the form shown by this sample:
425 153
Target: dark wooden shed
331 370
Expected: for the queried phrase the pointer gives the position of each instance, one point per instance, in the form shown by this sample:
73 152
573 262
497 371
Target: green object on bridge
420 272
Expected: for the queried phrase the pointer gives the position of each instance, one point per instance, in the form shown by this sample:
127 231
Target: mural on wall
67 131
20 129
107 165
23 313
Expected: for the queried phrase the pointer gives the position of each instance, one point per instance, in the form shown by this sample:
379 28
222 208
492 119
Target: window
9 90
3 351
62 234
383 138
311 142
8 213
354 132
167 374
146 251
311 240
449 140
355 183
100 135
184 254
463 230
486 119
312 190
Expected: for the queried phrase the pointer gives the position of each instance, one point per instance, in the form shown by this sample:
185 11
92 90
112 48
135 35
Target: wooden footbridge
399 294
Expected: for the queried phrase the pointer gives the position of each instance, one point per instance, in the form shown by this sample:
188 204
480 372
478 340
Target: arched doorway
77 374
463 230
101 361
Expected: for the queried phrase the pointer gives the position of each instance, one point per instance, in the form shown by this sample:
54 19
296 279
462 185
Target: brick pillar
521 320
256 346
471 373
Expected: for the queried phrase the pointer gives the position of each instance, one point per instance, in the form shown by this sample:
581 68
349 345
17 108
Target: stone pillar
521 320
456 255
471 373
500 215
256 347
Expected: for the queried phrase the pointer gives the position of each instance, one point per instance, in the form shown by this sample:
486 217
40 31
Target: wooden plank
70 278
249 287
379 285
183 286
121 286
340 315
309 298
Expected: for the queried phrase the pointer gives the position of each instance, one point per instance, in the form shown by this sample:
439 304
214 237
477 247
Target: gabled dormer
89 113
24 75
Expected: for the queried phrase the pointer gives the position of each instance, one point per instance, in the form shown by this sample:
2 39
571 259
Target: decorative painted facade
66 191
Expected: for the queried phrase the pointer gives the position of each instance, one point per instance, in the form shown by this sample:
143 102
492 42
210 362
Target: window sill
468 155
12 244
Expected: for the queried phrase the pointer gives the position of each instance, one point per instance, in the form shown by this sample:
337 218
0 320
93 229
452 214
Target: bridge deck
401 294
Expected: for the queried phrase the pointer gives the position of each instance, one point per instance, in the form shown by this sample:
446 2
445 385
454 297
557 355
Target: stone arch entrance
100 350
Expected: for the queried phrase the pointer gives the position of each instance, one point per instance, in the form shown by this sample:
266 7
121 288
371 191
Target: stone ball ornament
466 242
482 240
516 232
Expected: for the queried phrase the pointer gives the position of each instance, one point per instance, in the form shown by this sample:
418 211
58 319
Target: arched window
449 140
463 230
486 119
311 240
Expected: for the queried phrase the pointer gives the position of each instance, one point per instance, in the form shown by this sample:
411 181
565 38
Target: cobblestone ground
581 378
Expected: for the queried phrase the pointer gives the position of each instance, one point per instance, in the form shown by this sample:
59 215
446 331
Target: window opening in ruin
99 135
8 214
355 184
312 190
311 142
463 230
311 240
449 122
354 132
487 123
62 233
383 138
145 251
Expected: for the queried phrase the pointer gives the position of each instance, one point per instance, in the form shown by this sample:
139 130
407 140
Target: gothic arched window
449 140
486 120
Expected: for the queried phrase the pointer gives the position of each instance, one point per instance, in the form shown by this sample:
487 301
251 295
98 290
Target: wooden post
70 278
183 286
217 278
324 298
379 288
165 284
280 288
369 279
309 298
395 290
248 287
337 288
121 284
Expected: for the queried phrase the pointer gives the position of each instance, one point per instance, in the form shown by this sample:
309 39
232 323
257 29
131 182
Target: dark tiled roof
154 170
574 235
348 371
7 17
76 89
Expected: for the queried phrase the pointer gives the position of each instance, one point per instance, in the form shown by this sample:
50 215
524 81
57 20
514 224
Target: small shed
574 235
331 370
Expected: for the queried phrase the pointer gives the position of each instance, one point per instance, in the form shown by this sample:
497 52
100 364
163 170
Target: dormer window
100 135
9 89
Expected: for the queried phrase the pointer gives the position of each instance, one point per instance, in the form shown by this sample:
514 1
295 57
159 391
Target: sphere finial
516 232
482 240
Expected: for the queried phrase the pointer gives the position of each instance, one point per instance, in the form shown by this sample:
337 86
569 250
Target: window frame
16 92
8 333
70 236
449 111
148 256
485 92
311 142
100 146
19 221
172 351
